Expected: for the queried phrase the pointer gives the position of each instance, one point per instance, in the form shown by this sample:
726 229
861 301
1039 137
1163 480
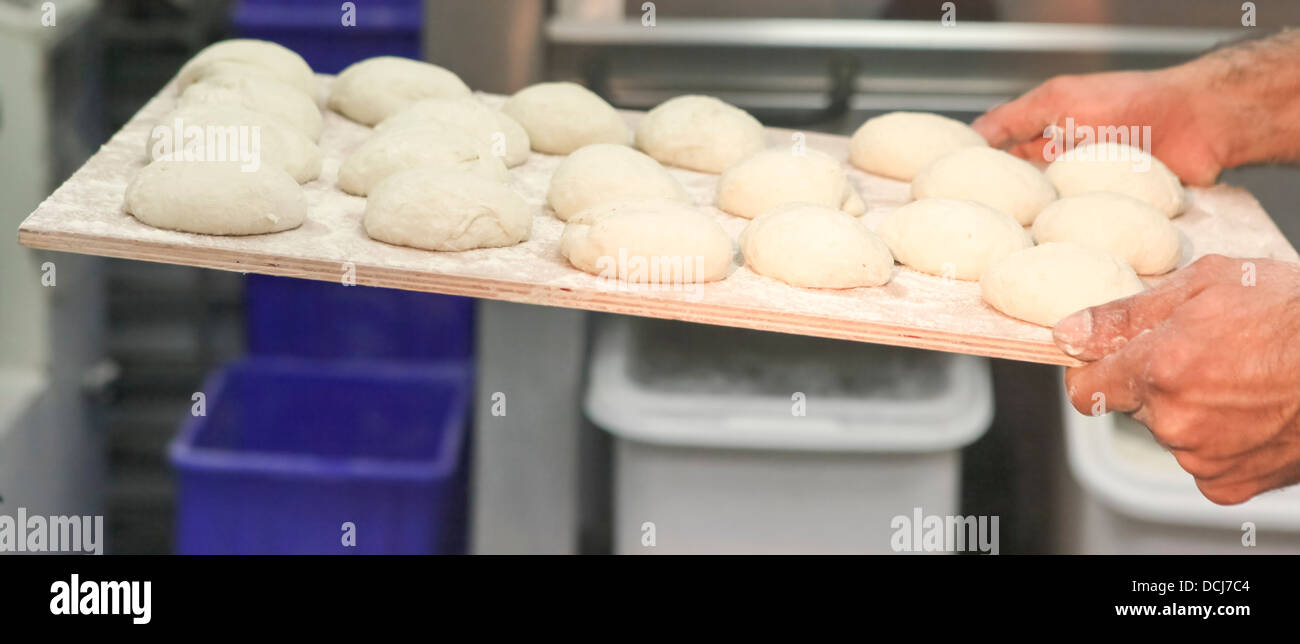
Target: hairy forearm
1249 95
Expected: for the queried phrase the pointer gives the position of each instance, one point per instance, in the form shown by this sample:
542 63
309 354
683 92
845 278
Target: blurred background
98 373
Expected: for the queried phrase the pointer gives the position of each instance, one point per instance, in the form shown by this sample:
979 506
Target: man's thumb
1096 332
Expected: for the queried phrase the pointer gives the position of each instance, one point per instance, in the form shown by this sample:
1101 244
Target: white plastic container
1127 495
710 456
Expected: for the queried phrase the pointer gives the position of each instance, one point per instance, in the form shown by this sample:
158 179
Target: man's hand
1210 359
1210 362
1183 135
1230 107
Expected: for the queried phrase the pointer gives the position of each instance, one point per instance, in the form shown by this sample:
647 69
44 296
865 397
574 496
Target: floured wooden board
85 215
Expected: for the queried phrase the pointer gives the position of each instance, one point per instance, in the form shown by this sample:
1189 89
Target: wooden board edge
605 302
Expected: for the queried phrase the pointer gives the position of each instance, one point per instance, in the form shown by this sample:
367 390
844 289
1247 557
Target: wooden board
85 215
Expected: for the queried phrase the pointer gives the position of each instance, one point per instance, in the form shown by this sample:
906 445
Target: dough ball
815 246
502 135
950 237
217 132
1129 229
779 176
259 94
606 172
991 177
275 60
433 144
377 88
1115 167
650 242
434 209
215 198
699 133
562 117
899 144
1046 283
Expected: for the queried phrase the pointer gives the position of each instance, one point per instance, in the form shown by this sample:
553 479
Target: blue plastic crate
289 451
314 29
327 320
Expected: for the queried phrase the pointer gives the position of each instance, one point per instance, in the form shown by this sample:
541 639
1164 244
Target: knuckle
1169 369
1224 494
1176 432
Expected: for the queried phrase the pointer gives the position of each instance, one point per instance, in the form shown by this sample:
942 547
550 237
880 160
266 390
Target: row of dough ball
961 239
801 244
1100 214
693 132
944 158
808 245
908 145
1065 272
606 172
620 202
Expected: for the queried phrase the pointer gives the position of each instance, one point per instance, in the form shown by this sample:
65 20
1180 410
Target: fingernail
1072 333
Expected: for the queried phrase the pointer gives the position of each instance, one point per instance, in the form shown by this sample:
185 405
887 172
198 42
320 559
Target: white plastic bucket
1129 496
710 456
